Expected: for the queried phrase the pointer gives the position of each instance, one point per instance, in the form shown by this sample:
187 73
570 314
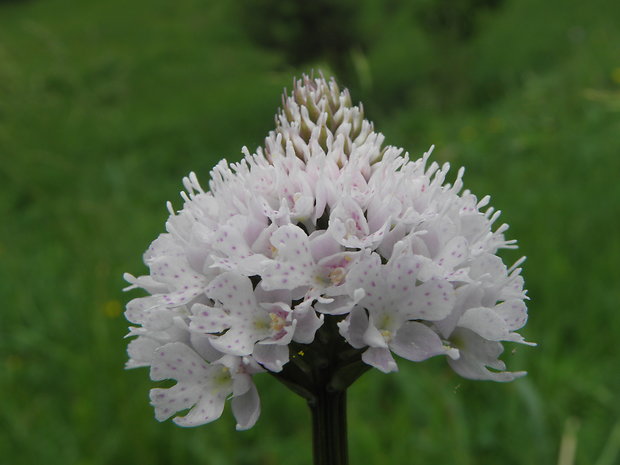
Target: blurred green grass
104 106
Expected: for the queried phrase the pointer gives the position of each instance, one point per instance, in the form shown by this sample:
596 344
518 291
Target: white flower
203 387
323 224
390 316
253 322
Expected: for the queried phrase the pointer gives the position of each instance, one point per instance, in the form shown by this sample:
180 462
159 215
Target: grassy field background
104 106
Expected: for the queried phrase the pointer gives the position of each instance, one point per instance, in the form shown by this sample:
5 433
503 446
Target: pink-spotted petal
235 292
293 265
368 274
207 319
238 340
207 409
432 300
514 313
167 402
487 267
177 361
455 252
184 283
402 273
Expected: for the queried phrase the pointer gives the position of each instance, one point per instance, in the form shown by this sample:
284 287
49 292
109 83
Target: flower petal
486 323
432 300
514 313
308 322
177 361
238 340
169 401
207 409
246 408
272 356
368 275
235 292
293 265
354 326
207 319
380 358
141 352
417 342
477 355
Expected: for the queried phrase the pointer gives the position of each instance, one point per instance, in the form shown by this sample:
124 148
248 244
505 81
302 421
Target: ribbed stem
329 428
321 372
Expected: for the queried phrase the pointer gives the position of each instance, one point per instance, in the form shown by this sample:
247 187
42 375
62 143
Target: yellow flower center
336 276
277 322
387 335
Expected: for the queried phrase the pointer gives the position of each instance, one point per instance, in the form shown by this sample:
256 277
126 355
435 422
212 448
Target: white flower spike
323 249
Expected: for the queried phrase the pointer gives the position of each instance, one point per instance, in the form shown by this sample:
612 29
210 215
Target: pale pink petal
477 355
235 292
402 273
354 327
184 283
246 408
141 352
455 252
486 323
323 244
416 342
380 358
201 343
272 356
308 322
372 336
514 313
168 402
150 312
238 340
293 265
207 319
177 361
368 274
432 300
207 409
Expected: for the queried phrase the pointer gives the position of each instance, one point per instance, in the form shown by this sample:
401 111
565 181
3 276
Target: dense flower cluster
323 222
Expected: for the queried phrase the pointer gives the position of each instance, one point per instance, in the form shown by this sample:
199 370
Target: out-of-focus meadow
105 106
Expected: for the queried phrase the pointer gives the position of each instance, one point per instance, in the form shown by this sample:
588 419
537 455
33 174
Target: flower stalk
329 427
321 372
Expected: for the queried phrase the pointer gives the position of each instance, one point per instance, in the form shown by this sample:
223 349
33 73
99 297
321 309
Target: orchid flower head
323 234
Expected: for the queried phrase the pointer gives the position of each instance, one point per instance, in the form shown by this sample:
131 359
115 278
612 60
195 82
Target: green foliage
303 31
104 106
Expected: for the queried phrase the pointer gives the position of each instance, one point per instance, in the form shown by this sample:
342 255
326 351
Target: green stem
329 427
321 372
